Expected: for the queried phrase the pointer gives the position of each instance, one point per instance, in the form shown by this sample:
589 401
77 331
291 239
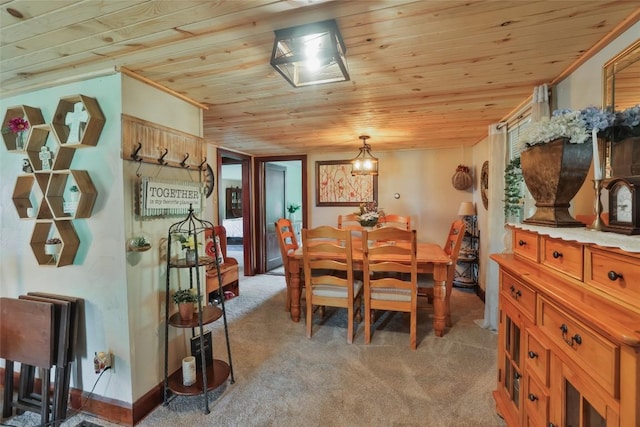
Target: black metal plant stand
213 372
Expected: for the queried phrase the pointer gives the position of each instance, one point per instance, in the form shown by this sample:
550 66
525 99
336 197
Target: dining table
431 258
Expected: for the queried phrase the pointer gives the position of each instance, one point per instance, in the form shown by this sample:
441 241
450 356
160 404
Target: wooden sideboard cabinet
569 331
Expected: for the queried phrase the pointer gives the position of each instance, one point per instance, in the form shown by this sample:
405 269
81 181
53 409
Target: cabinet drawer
537 356
525 244
520 295
565 257
615 274
594 353
536 398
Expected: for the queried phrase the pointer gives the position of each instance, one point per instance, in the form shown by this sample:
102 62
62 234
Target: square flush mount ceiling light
310 54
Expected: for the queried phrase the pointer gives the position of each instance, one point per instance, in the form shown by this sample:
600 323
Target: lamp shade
466 209
364 163
310 54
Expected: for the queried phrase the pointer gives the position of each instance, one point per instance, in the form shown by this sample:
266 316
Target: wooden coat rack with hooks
148 142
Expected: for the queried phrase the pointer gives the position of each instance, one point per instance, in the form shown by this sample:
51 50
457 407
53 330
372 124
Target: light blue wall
98 273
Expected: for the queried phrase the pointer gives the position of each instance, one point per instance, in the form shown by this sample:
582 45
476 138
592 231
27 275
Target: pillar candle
597 171
189 370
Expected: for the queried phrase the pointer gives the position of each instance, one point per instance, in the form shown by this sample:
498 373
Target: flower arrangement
292 207
74 189
463 168
368 214
188 243
578 125
16 125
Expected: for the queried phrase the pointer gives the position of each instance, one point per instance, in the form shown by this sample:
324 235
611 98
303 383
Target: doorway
272 202
234 204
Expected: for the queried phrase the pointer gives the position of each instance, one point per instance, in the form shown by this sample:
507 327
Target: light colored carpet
283 378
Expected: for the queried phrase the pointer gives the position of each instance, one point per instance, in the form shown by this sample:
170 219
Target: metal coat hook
161 159
138 169
135 156
201 167
183 163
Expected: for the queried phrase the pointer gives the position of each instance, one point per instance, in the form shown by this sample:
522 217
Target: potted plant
557 159
186 299
139 244
74 193
52 246
513 195
292 208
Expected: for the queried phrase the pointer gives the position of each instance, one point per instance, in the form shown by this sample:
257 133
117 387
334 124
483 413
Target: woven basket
461 180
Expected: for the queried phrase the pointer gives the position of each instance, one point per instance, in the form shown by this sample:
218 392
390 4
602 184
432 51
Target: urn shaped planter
553 173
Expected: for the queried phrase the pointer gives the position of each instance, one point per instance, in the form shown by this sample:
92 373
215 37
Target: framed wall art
336 187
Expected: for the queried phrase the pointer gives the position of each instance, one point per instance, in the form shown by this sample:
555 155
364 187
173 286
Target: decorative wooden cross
45 157
74 120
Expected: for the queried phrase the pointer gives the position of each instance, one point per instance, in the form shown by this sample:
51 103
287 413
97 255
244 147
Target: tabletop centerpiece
369 214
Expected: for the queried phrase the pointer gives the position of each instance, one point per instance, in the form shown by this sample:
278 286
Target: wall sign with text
158 198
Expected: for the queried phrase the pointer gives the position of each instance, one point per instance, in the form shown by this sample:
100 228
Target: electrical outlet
102 361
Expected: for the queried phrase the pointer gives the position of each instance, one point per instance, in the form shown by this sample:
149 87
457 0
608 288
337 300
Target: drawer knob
532 354
556 254
575 339
533 397
515 293
613 276
522 243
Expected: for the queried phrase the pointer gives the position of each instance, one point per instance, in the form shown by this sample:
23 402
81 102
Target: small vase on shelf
20 141
190 256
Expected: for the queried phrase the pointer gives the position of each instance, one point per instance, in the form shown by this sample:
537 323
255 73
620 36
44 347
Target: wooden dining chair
288 243
349 222
328 274
390 276
393 220
426 282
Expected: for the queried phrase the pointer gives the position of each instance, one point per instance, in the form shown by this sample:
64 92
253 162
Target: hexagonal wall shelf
44 212
70 242
23 193
58 194
31 114
78 121
58 157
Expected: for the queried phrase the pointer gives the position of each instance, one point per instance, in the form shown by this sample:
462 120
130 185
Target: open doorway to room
234 206
280 182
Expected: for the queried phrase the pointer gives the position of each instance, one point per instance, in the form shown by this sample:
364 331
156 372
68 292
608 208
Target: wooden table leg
294 269
439 295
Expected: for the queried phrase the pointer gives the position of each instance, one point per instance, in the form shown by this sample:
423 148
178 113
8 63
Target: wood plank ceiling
423 73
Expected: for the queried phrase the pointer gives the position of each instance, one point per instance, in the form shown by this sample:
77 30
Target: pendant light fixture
310 54
364 163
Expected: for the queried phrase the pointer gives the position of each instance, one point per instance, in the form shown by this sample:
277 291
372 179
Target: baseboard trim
105 408
481 294
115 411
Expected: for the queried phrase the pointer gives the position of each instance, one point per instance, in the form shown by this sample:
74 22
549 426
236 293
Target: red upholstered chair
229 270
